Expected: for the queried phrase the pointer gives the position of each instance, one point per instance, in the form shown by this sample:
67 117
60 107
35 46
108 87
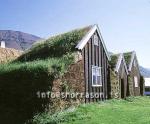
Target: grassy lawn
131 111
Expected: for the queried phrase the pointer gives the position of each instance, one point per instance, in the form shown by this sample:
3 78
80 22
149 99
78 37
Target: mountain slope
17 40
145 71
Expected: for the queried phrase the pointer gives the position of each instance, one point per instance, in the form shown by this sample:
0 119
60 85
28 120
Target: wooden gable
134 74
95 55
118 77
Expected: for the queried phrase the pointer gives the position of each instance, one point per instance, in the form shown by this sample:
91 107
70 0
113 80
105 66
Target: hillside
8 54
17 40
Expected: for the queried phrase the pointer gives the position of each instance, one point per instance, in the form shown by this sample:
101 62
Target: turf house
118 77
76 61
135 83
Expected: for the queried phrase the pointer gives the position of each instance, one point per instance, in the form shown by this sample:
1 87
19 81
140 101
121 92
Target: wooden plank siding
102 66
105 76
85 55
93 61
100 63
97 63
95 55
90 67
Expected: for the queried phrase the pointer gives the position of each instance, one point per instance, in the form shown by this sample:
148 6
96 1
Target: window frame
97 73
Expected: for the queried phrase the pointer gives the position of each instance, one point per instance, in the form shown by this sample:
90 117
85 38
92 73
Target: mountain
17 40
145 71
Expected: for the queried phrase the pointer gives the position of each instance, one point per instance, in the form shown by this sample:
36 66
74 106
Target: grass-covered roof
127 57
49 65
55 46
48 53
114 59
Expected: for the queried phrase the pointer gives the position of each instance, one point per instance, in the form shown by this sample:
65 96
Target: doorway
122 88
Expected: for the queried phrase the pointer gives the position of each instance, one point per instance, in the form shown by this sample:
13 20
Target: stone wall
72 82
117 79
114 83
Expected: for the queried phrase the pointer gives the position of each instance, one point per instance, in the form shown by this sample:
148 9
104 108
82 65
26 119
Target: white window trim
100 85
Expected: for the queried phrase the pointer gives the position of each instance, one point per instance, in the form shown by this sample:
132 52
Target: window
96 76
136 81
95 40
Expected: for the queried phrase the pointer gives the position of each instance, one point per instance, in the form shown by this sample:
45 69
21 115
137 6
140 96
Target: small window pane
96 76
98 71
93 70
94 80
99 81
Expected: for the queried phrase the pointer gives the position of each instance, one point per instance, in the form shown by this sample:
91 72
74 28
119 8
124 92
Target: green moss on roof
114 59
55 51
55 46
127 57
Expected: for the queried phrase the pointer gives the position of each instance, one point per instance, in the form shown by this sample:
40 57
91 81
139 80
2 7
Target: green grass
114 59
127 57
50 65
131 111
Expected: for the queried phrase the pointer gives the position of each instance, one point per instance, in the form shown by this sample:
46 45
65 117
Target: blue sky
124 24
